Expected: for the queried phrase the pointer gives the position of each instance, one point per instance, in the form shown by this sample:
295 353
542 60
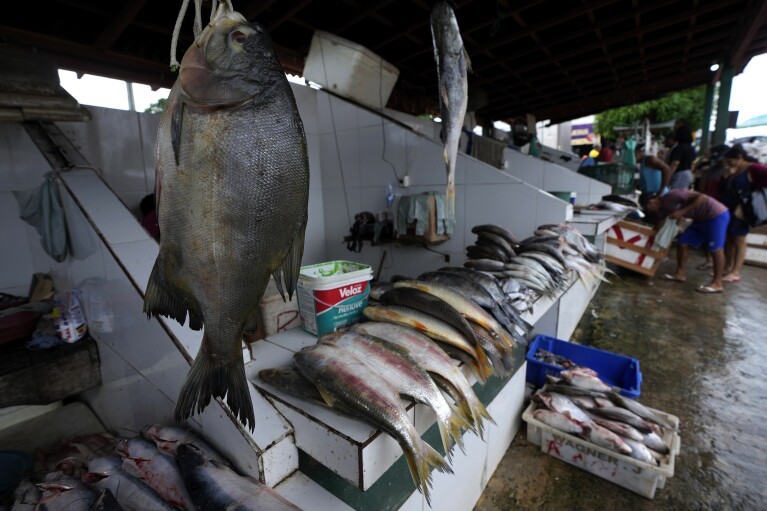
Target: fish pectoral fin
445 98
162 298
291 266
326 396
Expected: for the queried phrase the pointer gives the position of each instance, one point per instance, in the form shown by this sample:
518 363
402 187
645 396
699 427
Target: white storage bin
350 70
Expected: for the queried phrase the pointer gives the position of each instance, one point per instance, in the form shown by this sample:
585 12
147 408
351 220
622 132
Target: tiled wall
554 178
357 182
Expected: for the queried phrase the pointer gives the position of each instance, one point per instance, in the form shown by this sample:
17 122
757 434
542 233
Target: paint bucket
332 295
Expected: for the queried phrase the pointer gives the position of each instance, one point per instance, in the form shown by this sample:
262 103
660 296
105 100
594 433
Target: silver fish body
434 360
560 421
431 327
639 409
452 64
131 493
619 428
655 442
396 366
640 451
603 437
584 380
563 405
214 487
344 378
623 415
231 153
157 469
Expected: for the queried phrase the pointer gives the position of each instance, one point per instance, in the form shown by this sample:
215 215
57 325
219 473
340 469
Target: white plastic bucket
332 295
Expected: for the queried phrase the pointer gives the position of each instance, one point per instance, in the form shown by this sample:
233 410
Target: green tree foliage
686 104
157 107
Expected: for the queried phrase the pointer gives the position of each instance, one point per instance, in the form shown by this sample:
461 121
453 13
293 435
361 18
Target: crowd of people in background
712 190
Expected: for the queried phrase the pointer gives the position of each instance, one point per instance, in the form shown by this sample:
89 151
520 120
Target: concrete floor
703 358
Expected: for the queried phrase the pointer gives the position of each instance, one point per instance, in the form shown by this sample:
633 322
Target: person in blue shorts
709 228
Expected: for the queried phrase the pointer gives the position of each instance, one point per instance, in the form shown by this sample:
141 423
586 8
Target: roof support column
707 107
723 106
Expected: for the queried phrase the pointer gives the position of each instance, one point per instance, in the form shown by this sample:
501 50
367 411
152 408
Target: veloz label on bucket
328 310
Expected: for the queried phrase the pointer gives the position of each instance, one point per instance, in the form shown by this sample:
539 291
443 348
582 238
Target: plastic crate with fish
632 474
618 175
615 370
629 245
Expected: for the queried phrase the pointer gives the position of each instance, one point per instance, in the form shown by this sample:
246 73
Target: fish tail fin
419 464
291 265
459 422
482 411
210 378
483 364
463 409
445 431
422 482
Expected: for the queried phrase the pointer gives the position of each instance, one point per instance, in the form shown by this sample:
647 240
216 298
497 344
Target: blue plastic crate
615 370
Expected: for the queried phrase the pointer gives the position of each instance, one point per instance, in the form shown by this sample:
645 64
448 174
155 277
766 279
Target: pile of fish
581 404
538 265
554 359
164 469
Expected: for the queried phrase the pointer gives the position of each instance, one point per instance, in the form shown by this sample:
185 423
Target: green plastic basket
619 176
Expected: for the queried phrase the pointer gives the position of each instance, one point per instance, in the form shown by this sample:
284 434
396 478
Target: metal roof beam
119 22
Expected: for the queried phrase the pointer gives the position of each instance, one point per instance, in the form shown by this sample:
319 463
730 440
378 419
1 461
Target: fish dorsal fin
176 122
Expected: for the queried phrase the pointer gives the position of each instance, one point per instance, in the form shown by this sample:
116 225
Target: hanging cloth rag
41 208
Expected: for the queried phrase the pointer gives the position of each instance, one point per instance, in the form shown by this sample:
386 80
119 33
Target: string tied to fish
174 63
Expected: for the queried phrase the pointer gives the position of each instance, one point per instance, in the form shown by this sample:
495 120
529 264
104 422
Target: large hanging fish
452 64
232 188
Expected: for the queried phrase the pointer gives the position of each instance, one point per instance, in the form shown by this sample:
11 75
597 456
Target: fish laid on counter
434 360
131 493
452 64
231 152
431 327
344 378
214 487
464 305
395 366
158 470
168 438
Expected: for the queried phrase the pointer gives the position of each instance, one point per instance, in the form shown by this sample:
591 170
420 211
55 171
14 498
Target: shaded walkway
704 359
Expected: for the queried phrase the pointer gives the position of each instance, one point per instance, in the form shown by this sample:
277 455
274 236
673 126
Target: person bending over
709 227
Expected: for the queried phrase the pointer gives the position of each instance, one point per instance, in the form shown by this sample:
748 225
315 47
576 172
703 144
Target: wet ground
703 358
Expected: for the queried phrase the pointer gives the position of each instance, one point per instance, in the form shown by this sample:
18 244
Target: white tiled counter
595 224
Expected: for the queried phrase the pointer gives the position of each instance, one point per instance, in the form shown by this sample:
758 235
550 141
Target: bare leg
729 254
739 257
682 252
718 269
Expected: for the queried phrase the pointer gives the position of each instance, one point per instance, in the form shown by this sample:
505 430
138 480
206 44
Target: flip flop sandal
704 266
668 276
736 279
707 290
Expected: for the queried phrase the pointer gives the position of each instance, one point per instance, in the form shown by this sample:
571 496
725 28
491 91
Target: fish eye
238 37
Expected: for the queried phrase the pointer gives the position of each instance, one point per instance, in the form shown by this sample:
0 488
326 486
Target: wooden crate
629 245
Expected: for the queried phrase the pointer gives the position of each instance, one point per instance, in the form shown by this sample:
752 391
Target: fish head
226 63
444 28
190 456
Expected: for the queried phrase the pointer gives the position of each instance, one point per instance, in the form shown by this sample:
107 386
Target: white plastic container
332 295
278 315
350 70
632 474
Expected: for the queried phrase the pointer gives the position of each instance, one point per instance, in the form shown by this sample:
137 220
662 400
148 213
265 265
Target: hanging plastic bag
666 235
41 208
